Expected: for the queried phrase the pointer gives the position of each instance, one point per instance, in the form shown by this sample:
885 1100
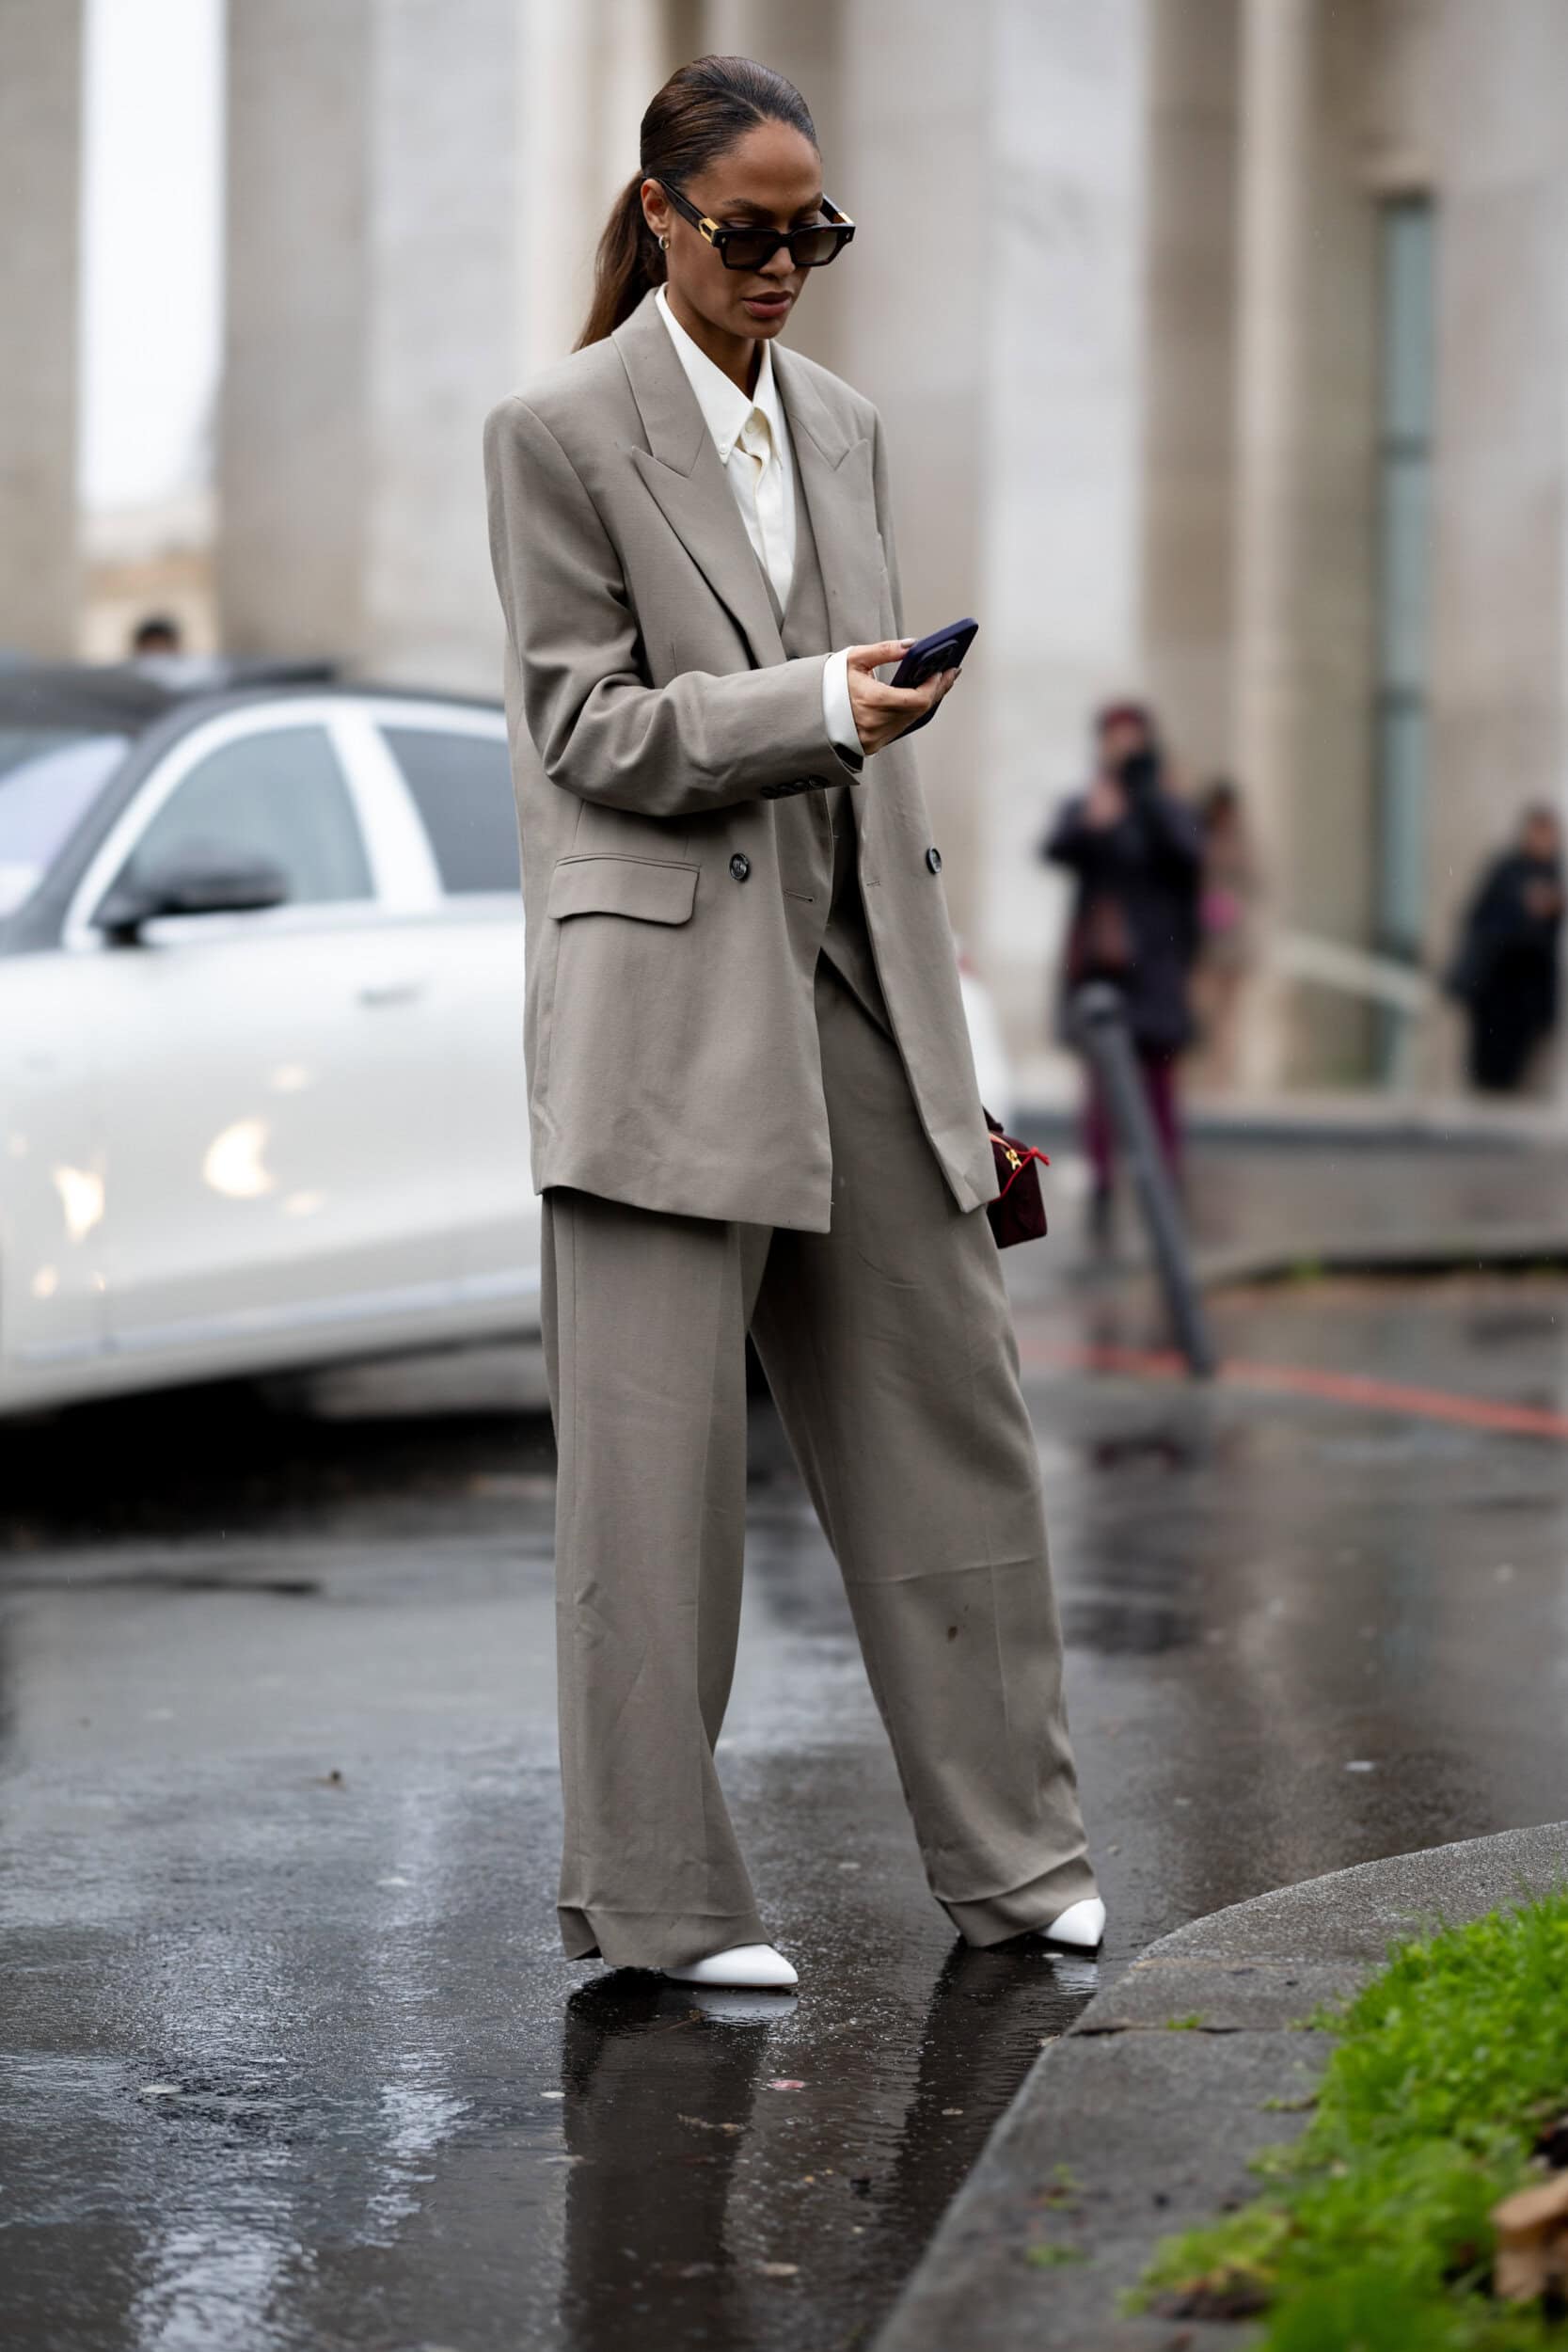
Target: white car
992 1068
262 1094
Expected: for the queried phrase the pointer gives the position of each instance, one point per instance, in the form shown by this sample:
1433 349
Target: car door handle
391 992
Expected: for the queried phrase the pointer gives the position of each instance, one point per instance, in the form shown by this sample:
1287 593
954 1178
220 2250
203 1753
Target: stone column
1272 424
448 208
40 171
292 455
1304 575
372 211
415 188
586 71
1500 604
911 293
1047 457
1189 377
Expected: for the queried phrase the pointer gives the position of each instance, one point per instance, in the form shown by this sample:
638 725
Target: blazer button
933 858
741 866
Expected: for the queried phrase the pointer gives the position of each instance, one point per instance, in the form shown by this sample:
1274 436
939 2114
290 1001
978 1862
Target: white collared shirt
752 437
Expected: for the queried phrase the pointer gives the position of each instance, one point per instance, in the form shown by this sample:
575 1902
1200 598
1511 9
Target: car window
49 778
462 787
278 795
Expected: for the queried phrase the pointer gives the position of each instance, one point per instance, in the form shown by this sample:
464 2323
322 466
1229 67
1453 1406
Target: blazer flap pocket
645 888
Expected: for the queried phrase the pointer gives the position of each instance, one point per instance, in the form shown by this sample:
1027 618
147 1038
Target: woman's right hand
882 713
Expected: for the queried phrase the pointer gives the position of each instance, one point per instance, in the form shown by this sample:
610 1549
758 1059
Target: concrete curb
1233 1265
1337 1122
1500 1247
1155 2126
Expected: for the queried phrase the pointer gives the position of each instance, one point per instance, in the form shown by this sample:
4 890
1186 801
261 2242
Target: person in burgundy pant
1136 853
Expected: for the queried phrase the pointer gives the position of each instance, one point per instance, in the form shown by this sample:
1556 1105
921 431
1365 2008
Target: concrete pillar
293 445
447 205
1051 224
907 160
1189 378
586 70
1304 575
1500 605
1272 402
40 172
372 212
415 188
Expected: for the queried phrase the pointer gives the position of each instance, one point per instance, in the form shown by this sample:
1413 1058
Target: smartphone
944 649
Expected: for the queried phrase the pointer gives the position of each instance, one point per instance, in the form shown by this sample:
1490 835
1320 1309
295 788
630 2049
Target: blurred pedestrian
1228 897
158 633
752 1096
1137 852
1505 973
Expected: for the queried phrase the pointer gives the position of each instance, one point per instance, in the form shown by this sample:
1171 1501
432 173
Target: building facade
1220 345
1352 537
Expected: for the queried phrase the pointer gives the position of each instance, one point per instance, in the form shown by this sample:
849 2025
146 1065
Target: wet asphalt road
290 2058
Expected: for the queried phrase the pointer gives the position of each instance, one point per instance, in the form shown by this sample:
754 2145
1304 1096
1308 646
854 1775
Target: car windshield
49 778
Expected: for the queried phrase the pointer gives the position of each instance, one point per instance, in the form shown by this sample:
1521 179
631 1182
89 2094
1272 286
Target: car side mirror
198 881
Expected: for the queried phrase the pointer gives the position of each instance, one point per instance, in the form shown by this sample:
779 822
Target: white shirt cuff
838 714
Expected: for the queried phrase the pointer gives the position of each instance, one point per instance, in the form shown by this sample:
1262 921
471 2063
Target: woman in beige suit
752 1097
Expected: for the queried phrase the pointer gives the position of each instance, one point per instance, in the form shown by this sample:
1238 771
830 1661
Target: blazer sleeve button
934 859
741 866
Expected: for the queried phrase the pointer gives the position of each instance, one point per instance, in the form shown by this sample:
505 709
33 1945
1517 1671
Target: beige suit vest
818 828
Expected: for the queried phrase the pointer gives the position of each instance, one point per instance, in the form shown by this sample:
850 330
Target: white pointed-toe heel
757 1966
1081 1925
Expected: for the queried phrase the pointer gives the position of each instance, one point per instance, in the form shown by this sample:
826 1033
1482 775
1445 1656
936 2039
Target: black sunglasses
811 248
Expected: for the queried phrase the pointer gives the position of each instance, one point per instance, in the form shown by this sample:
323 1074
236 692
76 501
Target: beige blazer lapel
837 479
681 469
835 467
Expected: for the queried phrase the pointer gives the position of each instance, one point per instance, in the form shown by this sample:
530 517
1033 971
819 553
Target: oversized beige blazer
657 733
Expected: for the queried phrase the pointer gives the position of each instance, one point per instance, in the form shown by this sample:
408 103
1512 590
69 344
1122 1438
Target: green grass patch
1373 2231
1061 2189
1047 2254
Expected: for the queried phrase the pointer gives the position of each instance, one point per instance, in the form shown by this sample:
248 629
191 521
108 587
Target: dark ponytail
703 109
627 262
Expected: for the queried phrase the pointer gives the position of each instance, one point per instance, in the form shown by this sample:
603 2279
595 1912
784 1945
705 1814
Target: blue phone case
944 649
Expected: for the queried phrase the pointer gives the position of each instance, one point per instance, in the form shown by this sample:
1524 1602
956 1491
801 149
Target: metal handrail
1356 971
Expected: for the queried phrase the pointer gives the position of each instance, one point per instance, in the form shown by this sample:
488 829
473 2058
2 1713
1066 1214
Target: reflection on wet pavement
290 2058
668 2222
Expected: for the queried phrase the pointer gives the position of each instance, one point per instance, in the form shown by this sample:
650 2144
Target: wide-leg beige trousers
889 1347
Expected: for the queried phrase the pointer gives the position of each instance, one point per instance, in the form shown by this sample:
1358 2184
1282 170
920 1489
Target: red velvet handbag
1018 1212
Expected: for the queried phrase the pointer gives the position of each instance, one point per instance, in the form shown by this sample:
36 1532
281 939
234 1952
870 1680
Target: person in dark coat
1137 854
1506 972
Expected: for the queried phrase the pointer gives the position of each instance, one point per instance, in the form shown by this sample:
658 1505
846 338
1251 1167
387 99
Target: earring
664 245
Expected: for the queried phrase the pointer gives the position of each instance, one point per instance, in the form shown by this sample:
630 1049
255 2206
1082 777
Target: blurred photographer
1138 853
1505 972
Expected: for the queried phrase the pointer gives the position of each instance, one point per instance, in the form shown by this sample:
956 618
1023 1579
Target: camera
1140 772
